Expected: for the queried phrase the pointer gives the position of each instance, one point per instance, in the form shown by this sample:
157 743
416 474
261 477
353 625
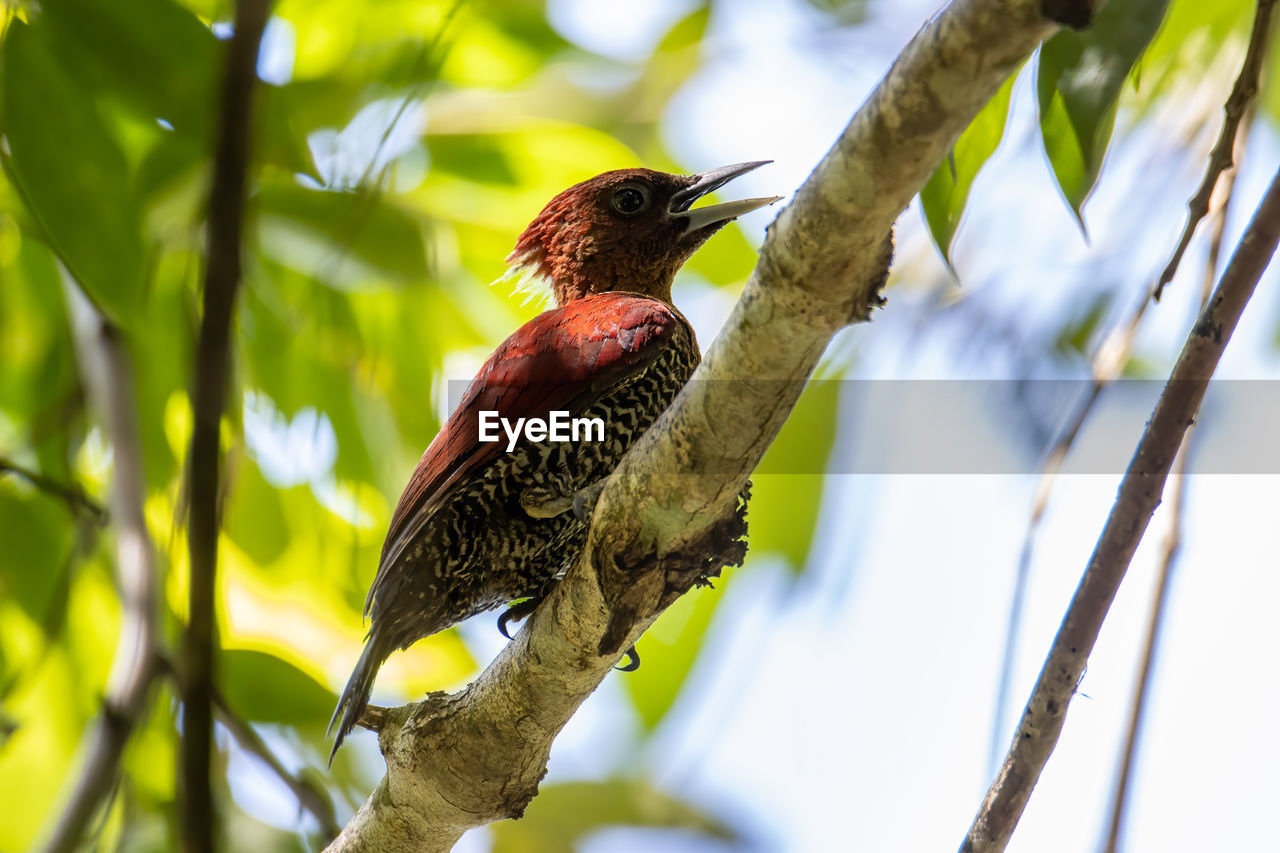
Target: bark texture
462 761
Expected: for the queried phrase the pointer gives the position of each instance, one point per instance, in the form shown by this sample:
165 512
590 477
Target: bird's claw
633 661
584 501
517 613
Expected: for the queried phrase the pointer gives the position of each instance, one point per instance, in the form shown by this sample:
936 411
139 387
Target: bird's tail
356 695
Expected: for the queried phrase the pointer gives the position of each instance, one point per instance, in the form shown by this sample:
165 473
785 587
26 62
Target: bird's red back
560 360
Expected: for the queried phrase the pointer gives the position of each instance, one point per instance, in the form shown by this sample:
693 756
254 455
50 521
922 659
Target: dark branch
1169 552
1107 364
222 278
1140 492
1220 159
108 375
75 497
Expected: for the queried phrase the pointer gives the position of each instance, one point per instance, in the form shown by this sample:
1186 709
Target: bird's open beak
716 213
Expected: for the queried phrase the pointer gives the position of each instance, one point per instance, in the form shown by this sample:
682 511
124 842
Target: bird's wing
558 361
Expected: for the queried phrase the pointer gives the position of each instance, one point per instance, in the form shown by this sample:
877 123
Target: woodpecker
482 524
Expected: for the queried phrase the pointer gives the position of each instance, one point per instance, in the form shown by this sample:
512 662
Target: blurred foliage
1080 79
564 814
400 150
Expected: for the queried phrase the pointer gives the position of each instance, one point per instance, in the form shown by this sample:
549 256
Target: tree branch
670 503
108 373
1172 545
1220 159
1113 354
1139 495
309 795
221 280
75 497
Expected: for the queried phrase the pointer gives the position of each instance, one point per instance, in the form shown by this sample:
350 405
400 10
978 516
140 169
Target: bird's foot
632 661
584 501
542 503
517 612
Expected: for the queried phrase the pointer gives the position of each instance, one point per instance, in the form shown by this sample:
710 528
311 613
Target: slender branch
108 372
222 277
73 495
1107 364
1139 495
425 70
1172 543
664 510
308 794
1220 159
1137 710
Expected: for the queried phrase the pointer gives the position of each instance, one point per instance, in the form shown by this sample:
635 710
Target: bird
485 523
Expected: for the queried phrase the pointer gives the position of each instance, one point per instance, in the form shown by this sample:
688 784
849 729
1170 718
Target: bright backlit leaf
266 689
670 649
562 815
944 197
786 491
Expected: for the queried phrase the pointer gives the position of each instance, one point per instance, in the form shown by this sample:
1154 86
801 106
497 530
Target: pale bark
108 375
461 761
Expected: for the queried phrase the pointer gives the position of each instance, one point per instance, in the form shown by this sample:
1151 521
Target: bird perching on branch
485 520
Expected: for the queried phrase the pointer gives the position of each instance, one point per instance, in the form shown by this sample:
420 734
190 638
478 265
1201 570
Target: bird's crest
527 277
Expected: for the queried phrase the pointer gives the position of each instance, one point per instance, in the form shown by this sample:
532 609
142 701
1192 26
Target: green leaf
163 70
255 518
472 156
562 815
317 368
1077 334
266 689
72 173
688 32
1195 34
944 197
39 376
727 258
343 238
36 544
670 649
786 491
1078 82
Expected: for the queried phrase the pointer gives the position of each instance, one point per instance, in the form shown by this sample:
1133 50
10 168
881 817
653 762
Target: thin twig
1137 710
73 495
1220 159
1172 544
428 62
1109 361
309 796
1140 492
222 278
108 373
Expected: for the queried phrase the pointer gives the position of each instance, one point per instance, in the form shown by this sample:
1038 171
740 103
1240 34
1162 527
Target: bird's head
629 229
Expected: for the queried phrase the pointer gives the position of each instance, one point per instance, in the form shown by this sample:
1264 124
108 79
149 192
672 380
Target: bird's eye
629 200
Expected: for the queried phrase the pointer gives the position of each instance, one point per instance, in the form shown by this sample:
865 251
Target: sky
854 712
